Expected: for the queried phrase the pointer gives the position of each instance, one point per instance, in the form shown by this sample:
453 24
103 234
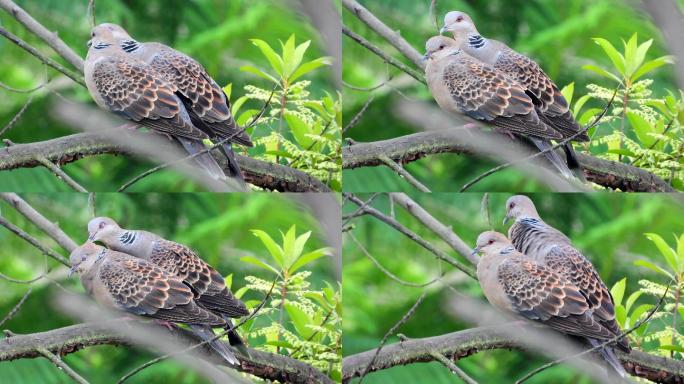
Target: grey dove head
520 206
491 242
106 35
458 23
438 47
84 257
101 228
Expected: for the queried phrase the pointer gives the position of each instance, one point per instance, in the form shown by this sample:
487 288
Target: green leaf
621 315
639 56
288 246
681 312
309 66
601 71
299 245
680 249
615 56
229 280
288 56
639 311
259 72
568 91
238 104
649 265
630 55
667 252
579 104
257 262
651 65
589 115
309 257
631 299
297 59
642 128
280 343
675 348
272 57
300 320
273 248
228 89
240 292
618 290
299 129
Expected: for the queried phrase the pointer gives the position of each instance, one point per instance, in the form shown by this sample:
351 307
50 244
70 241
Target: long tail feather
553 157
205 160
609 356
234 339
573 163
206 333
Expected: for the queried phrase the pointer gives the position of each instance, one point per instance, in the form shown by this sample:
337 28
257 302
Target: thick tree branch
406 149
458 345
70 148
63 341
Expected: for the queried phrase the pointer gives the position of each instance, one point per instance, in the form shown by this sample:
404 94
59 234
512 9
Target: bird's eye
441 46
102 224
491 241
92 34
511 206
459 19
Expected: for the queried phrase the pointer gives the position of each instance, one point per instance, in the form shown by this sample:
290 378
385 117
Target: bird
468 87
548 246
516 283
551 105
164 90
207 284
133 285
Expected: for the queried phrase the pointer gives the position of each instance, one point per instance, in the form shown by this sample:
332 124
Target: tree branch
70 148
458 345
39 30
406 149
63 341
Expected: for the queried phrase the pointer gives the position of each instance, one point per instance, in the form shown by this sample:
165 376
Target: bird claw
166 324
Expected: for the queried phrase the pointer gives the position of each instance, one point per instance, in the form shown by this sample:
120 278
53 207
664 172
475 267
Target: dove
126 85
514 282
130 284
206 283
530 235
550 104
468 87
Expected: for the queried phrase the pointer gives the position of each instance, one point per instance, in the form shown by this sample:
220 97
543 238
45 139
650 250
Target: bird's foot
166 324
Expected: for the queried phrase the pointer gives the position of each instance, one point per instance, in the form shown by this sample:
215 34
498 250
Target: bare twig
358 115
91 13
393 37
91 204
16 308
453 368
15 90
57 171
392 331
50 228
430 222
17 116
31 240
48 37
411 235
387 58
69 73
404 173
62 365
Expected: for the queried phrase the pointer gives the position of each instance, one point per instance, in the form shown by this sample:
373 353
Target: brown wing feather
135 91
204 98
483 93
143 288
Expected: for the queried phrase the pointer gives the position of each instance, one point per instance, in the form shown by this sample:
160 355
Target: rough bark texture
63 341
70 148
458 345
406 149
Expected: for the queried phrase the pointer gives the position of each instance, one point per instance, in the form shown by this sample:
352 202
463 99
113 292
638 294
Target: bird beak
72 270
90 42
505 220
475 251
425 57
92 237
445 28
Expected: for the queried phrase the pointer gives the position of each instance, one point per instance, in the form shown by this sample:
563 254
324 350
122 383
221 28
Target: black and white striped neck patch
101 45
127 237
476 41
129 45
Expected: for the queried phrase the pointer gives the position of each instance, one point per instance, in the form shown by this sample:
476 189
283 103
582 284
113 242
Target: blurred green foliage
557 34
217 226
610 229
217 33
